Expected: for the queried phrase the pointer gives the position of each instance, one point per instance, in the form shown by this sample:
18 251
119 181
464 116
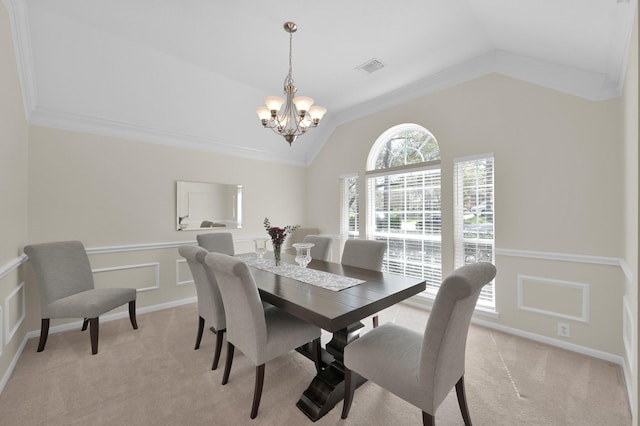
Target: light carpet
153 376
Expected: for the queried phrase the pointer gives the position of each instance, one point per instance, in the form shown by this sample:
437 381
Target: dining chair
67 290
210 308
365 254
218 242
422 368
261 334
321 249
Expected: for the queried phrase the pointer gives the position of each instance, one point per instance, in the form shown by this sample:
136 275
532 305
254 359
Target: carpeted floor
152 376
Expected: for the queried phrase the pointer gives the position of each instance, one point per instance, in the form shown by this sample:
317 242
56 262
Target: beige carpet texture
153 376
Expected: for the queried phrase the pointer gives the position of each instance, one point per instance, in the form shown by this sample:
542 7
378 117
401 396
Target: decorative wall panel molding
628 332
179 264
1 340
531 282
154 265
15 301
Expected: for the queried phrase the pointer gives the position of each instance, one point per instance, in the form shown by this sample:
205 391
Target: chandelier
298 114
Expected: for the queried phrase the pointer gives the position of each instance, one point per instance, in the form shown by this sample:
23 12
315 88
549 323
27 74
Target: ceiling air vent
372 65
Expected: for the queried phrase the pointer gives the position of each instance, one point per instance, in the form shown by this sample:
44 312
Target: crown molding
577 82
21 33
48 117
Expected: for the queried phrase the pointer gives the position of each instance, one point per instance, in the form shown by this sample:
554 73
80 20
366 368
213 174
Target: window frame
346 232
428 241
479 245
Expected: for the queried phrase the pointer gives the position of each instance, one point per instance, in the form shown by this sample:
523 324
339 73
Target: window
404 203
350 208
474 239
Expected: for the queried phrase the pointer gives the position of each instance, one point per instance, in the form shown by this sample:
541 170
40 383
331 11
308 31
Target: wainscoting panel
143 276
561 299
1 339
628 331
183 273
15 311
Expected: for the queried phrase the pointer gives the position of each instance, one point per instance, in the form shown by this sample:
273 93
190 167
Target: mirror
203 205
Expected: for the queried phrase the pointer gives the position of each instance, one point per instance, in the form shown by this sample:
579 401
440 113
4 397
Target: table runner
322 279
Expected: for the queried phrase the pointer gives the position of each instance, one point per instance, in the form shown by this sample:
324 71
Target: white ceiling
192 72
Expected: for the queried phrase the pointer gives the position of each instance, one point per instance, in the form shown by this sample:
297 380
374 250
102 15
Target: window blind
405 212
474 220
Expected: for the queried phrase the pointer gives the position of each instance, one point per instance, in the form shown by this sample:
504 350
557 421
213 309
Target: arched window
404 202
402 145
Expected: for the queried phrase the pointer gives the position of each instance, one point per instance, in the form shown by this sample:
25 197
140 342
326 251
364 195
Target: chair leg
375 321
462 401
132 314
216 356
257 392
44 333
227 365
200 331
349 389
317 354
428 419
85 323
93 331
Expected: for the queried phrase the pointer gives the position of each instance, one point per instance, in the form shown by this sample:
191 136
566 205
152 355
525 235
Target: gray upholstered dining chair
321 249
422 368
67 290
261 334
365 254
217 242
210 308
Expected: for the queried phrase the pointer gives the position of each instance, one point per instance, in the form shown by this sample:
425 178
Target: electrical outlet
564 330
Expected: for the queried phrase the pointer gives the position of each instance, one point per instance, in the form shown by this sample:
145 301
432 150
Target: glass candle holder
303 253
261 247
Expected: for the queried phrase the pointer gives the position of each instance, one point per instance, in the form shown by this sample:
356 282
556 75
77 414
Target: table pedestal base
327 387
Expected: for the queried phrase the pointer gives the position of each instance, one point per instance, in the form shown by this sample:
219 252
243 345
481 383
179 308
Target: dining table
339 312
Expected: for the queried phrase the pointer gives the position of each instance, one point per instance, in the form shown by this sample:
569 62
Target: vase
276 253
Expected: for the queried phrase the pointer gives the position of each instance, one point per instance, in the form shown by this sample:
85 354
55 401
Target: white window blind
474 237
405 212
350 208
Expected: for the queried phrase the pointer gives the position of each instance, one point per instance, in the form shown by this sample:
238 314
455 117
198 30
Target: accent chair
67 289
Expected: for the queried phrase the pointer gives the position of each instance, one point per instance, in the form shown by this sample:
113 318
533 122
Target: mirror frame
224 200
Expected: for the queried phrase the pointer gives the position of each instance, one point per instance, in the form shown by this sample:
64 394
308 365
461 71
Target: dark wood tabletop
339 312
335 310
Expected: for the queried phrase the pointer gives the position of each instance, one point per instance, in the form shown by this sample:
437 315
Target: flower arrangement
278 235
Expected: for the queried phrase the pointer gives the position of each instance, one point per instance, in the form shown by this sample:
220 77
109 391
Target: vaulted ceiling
191 72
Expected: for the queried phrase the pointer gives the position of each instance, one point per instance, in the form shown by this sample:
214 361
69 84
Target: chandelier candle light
298 114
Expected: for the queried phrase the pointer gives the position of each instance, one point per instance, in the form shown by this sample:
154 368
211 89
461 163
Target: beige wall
13 148
558 180
107 191
13 193
118 193
631 327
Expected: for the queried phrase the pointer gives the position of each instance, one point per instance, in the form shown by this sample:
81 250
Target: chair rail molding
13 264
568 257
